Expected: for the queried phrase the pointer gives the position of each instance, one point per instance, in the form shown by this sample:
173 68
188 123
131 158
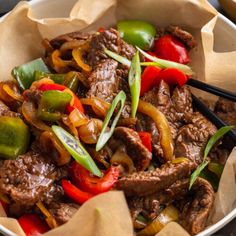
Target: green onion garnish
118 58
134 83
77 151
107 133
219 134
165 63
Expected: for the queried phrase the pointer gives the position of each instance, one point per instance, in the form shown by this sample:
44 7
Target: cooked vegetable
74 103
52 104
24 74
170 48
169 214
162 125
75 193
172 76
77 151
78 56
165 63
90 131
57 78
134 83
51 221
14 137
107 133
118 58
9 92
149 78
94 184
138 33
120 157
71 81
146 140
78 118
217 136
99 106
32 225
59 64
47 141
29 112
212 141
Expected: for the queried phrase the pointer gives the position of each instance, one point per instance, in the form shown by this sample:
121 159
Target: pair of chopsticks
205 110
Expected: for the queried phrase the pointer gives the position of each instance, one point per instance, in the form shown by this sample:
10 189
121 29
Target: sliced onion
99 106
121 158
29 112
66 121
162 125
90 132
49 142
13 91
69 45
169 214
51 221
179 160
77 118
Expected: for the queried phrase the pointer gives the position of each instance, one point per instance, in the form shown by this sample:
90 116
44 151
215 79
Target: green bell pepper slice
52 104
14 137
137 33
57 78
24 74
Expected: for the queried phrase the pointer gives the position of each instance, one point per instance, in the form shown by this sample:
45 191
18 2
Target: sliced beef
58 41
226 110
134 147
104 82
183 35
192 138
151 205
176 108
63 211
29 178
5 111
196 212
144 183
109 39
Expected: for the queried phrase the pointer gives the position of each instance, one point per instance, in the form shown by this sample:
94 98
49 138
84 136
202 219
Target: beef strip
109 39
62 212
192 138
183 35
195 213
104 82
226 110
5 111
58 41
151 205
134 147
144 183
29 178
175 108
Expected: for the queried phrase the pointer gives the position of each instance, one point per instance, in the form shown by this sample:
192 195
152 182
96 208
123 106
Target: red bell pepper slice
92 184
172 76
77 104
148 78
75 193
170 48
146 140
46 87
32 225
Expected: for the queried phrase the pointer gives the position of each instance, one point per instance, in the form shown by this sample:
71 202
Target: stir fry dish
110 110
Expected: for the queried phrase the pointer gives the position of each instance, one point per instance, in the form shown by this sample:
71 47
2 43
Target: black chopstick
201 107
212 89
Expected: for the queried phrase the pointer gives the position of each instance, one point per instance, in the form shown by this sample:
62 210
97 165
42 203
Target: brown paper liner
20 39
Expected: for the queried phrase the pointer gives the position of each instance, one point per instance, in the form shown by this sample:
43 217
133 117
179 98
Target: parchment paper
20 41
